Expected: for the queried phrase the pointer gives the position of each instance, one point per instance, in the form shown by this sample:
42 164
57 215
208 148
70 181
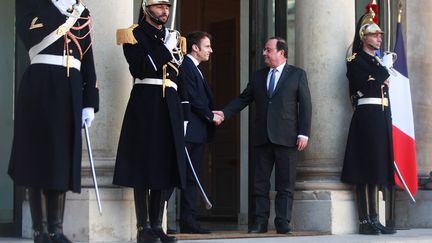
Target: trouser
188 197
285 160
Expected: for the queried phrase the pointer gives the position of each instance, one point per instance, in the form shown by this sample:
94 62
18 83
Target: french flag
404 145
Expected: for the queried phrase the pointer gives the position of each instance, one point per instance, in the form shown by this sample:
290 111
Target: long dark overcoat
151 151
369 150
46 151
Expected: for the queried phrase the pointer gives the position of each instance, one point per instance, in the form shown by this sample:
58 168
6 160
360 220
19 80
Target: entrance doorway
221 169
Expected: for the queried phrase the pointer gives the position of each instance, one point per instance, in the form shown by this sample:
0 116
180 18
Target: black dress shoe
41 237
383 229
258 228
367 228
171 231
59 238
146 235
193 229
282 228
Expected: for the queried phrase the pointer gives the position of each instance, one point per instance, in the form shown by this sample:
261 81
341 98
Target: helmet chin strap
153 18
372 47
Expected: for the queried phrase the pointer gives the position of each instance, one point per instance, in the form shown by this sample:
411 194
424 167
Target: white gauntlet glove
170 41
185 123
88 116
64 5
388 60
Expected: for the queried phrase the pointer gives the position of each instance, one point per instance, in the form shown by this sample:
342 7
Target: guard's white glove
388 60
170 41
185 123
64 5
88 116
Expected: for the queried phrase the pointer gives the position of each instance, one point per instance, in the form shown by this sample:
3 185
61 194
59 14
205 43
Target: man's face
203 49
160 11
373 41
272 57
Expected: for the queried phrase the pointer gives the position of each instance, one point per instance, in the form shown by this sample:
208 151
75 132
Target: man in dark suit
282 126
200 128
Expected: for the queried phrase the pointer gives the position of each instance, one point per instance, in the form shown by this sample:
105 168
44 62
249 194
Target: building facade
318 33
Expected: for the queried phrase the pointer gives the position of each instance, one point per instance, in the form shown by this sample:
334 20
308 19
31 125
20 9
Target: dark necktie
271 83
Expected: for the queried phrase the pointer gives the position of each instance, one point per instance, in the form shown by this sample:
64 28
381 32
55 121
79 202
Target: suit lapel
207 89
283 77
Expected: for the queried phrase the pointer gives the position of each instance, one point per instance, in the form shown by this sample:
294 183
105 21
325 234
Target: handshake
218 117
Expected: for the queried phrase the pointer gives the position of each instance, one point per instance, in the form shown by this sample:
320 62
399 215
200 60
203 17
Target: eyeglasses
266 49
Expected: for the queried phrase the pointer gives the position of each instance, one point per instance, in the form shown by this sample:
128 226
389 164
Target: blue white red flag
404 145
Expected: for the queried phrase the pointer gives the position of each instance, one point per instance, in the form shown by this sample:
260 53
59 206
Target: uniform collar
369 58
152 31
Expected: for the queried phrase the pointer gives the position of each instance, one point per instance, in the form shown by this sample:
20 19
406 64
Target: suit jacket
282 117
200 127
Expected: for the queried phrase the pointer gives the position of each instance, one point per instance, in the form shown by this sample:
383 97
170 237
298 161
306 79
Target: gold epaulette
125 36
182 44
352 57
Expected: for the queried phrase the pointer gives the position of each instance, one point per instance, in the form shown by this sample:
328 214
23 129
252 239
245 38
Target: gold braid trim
182 44
174 67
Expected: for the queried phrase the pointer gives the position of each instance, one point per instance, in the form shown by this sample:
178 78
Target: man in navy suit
200 128
282 126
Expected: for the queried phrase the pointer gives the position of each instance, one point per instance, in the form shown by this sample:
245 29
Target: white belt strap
59 32
156 81
373 101
65 61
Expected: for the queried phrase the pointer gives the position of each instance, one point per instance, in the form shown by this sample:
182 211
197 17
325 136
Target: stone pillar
117 222
324 31
82 221
418 34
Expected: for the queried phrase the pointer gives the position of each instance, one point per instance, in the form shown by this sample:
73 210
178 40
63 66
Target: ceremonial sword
202 192
89 151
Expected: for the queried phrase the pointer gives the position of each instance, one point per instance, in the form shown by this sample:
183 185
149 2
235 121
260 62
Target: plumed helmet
368 26
147 3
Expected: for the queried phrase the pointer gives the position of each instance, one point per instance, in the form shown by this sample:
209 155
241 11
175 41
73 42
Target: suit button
270 102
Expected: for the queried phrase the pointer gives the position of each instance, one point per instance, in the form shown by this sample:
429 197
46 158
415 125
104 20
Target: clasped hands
218 117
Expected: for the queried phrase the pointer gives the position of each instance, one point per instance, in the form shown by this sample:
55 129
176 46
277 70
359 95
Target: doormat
243 234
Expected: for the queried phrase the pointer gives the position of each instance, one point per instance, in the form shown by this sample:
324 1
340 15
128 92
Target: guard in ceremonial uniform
151 151
56 96
369 151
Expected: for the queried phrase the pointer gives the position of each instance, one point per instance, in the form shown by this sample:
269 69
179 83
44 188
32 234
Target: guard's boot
145 233
38 210
158 199
56 205
365 225
374 211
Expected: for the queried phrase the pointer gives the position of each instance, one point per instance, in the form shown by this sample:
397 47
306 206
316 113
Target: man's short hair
280 45
194 38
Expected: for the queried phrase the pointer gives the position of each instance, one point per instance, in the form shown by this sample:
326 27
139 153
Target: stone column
324 31
418 35
82 221
118 219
